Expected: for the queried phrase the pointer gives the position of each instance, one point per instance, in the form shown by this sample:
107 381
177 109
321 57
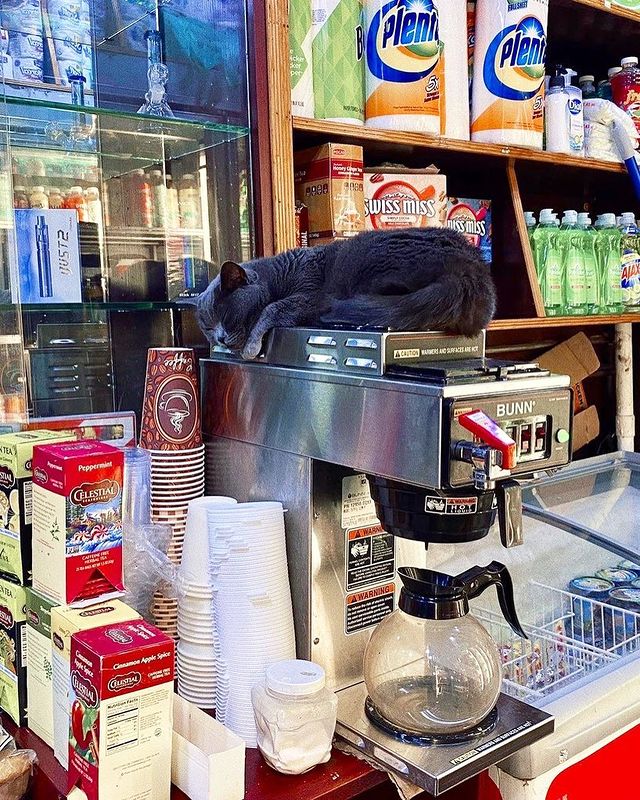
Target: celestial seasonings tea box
65 621
77 521
13 655
121 730
16 453
39 666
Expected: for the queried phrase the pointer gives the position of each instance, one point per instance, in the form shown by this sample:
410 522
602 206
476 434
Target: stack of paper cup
170 431
252 613
195 661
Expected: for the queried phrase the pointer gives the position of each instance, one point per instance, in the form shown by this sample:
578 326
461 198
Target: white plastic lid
75 190
19 188
188 177
54 190
608 220
584 218
296 678
613 71
37 190
629 61
530 217
92 191
570 216
586 79
628 218
156 172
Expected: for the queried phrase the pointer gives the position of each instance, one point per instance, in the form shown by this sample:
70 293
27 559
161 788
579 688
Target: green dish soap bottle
548 256
573 271
590 262
609 253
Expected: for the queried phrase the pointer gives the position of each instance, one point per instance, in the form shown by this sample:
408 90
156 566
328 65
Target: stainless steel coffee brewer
378 444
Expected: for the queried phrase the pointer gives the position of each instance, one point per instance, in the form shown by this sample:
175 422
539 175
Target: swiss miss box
77 521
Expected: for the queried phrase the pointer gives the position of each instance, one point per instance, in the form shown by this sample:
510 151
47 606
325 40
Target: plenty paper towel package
454 89
300 36
403 64
508 74
337 58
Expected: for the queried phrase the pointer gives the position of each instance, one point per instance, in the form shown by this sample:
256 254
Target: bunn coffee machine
380 443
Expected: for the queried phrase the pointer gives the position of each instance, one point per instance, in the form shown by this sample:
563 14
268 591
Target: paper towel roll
454 113
300 37
338 64
508 72
403 65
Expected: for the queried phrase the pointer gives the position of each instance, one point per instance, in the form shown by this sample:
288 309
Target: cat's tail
452 306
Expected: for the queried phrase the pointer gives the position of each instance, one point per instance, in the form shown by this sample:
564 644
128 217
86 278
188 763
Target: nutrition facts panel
123 723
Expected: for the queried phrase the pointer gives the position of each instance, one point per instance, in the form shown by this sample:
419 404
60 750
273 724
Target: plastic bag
16 768
146 566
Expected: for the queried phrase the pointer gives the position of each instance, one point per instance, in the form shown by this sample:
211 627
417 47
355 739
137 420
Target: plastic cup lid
295 677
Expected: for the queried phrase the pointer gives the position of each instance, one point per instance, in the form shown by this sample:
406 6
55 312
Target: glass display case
113 217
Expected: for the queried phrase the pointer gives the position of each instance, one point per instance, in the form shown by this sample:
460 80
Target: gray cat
412 279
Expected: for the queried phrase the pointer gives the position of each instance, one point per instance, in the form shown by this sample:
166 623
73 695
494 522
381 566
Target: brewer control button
562 436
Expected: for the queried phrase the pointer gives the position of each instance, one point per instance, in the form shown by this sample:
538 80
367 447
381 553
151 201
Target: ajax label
369 556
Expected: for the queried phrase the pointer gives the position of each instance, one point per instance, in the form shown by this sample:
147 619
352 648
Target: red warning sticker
367 608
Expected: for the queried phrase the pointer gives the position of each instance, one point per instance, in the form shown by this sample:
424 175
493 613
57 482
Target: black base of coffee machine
411 737
433 515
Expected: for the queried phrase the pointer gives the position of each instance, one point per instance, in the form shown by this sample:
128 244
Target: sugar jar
295 716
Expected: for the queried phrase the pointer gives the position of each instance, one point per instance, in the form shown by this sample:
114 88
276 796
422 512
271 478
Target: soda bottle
590 262
625 87
548 257
588 86
573 271
608 251
630 275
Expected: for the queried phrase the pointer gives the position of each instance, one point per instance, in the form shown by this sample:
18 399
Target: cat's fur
413 279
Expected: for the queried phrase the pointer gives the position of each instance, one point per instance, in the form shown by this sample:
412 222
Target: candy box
39 666
77 521
473 219
400 198
121 730
13 657
65 621
16 453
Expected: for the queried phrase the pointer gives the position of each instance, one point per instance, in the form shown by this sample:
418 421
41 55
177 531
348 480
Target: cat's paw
252 349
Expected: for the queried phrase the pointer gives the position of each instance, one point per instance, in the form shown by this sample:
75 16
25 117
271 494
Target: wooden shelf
561 322
361 134
609 8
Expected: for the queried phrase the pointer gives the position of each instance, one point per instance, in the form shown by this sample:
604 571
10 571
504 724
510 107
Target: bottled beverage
189 202
159 199
173 207
604 90
75 199
20 197
56 200
625 86
587 85
590 262
573 271
93 205
630 267
141 200
38 198
608 250
556 117
548 256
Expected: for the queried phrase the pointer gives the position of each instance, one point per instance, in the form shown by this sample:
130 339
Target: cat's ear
232 277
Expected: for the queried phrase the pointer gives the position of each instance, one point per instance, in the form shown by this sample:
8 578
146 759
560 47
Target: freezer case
580 662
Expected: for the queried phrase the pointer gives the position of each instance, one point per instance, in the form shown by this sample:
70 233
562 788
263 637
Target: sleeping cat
411 279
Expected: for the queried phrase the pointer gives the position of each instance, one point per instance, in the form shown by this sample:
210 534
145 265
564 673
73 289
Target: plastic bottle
93 205
587 85
576 115
75 199
141 199
556 117
20 197
159 198
625 86
573 271
189 202
608 250
590 262
548 257
630 275
56 200
38 198
604 90
173 207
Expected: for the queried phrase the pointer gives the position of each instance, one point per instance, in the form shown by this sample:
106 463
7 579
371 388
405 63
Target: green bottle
548 258
573 271
590 262
608 251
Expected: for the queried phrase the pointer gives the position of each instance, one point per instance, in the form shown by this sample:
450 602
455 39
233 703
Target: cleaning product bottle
590 262
556 117
608 250
549 263
530 222
587 85
625 86
576 115
573 271
630 276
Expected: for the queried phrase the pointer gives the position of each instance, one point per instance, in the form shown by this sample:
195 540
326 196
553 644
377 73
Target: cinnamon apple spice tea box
121 730
77 521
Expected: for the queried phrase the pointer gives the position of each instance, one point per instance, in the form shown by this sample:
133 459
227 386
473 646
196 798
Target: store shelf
86 307
562 322
610 8
362 135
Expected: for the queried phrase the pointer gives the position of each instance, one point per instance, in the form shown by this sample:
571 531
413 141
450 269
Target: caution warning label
369 556
368 607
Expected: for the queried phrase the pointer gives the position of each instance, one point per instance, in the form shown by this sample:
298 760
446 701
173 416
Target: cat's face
230 306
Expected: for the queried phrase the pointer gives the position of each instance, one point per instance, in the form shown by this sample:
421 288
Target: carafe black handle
477 579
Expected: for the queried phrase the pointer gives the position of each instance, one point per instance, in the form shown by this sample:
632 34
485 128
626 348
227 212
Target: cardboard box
48 250
16 453
65 621
328 180
77 521
13 656
576 358
121 730
401 198
472 218
39 666
113 427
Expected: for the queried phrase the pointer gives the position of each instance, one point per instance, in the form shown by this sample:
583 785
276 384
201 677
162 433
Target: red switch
489 432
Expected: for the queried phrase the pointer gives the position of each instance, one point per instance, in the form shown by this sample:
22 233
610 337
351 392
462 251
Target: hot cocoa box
13 656
77 521
16 453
